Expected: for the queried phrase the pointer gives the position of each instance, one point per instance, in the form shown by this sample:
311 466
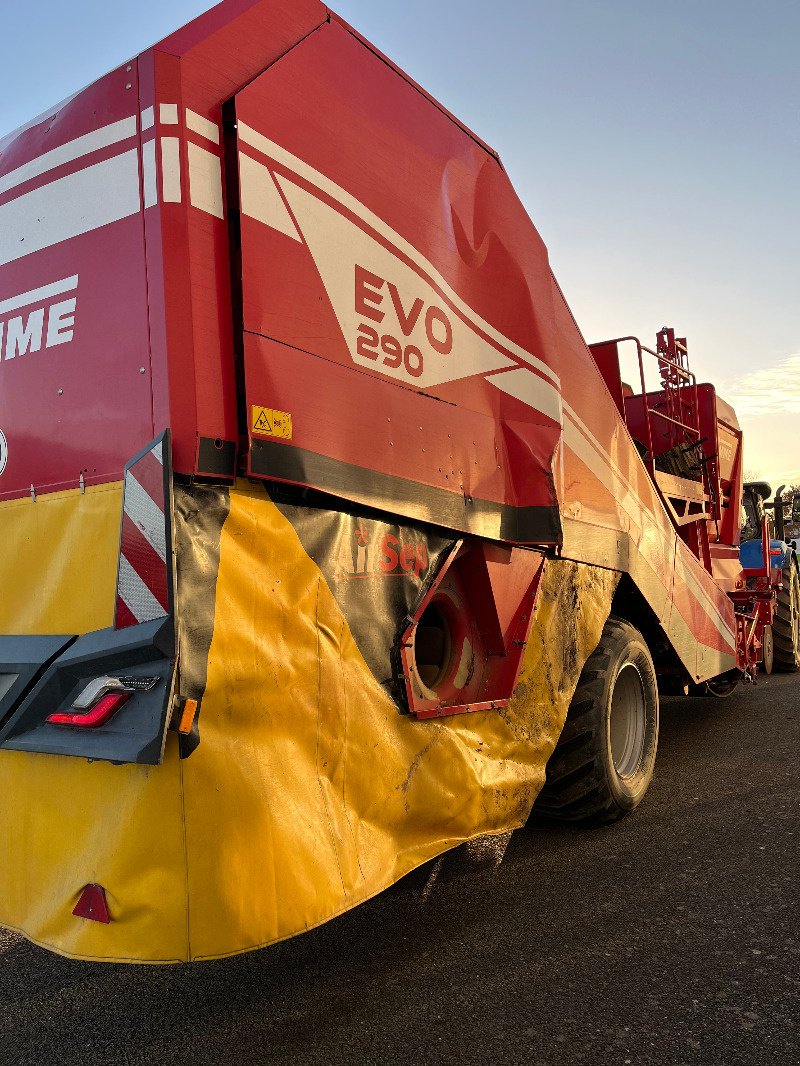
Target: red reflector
105 708
92 905
775 551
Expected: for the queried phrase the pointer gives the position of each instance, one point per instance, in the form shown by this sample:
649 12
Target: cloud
772 390
786 476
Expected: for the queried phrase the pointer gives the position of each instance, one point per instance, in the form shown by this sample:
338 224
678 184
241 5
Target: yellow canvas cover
309 791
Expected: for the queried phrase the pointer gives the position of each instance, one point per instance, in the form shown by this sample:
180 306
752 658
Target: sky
656 147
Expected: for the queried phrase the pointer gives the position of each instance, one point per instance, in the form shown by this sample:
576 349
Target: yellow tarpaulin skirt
310 790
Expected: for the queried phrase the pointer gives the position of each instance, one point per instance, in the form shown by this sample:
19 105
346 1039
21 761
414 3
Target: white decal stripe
606 459
39 296
205 180
274 151
711 607
202 126
136 596
620 488
532 390
158 452
68 207
171 169
713 661
146 516
333 241
148 118
598 462
149 185
702 594
261 199
67 153
600 467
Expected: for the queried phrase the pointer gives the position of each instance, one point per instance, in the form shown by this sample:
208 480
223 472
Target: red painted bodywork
420 359
458 211
488 594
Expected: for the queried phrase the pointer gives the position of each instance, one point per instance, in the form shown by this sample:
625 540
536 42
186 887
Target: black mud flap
45 676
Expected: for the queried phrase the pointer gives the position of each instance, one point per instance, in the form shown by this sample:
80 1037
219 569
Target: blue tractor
782 639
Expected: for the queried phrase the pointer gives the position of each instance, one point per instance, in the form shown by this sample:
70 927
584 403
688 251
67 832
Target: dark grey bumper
40 676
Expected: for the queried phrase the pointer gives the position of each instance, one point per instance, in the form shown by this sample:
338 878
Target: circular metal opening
432 646
628 726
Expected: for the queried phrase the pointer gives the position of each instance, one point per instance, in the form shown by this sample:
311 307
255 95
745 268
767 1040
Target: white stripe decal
532 390
261 199
39 296
709 604
598 462
146 516
612 467
171 169
136 596
274 151
149 186
79 203
705 599
202 126
168 114
158 452
330 237
67 153
148 118
205 180
600 466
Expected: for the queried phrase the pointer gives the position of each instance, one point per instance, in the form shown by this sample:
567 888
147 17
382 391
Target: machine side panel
614 516
75 366
396 299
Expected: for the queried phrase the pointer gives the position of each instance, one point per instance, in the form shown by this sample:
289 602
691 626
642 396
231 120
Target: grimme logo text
28 324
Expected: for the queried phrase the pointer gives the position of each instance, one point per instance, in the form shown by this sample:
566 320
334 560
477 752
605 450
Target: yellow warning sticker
266 422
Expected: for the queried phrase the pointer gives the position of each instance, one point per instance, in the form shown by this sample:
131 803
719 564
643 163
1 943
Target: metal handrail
687 375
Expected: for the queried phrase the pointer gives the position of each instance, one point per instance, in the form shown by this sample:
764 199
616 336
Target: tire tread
576 789
786 655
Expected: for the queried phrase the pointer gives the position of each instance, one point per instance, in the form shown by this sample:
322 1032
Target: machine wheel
719 687
603 763
768 651
786 624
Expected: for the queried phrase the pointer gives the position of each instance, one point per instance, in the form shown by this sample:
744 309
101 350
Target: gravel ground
669 938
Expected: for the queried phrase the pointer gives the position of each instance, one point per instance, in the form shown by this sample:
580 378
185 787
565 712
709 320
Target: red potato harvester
329 545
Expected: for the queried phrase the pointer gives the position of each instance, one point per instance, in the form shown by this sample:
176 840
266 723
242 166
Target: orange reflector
92 905
188 713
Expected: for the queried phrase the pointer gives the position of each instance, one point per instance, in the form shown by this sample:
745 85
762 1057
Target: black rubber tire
786 624
583 783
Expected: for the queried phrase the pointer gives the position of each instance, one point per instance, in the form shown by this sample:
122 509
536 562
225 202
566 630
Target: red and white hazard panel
144 578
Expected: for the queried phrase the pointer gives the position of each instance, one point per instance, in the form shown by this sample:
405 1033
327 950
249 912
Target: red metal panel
168 277
225 48
406 344
75 373
397 279
197 69
485 595
193 246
